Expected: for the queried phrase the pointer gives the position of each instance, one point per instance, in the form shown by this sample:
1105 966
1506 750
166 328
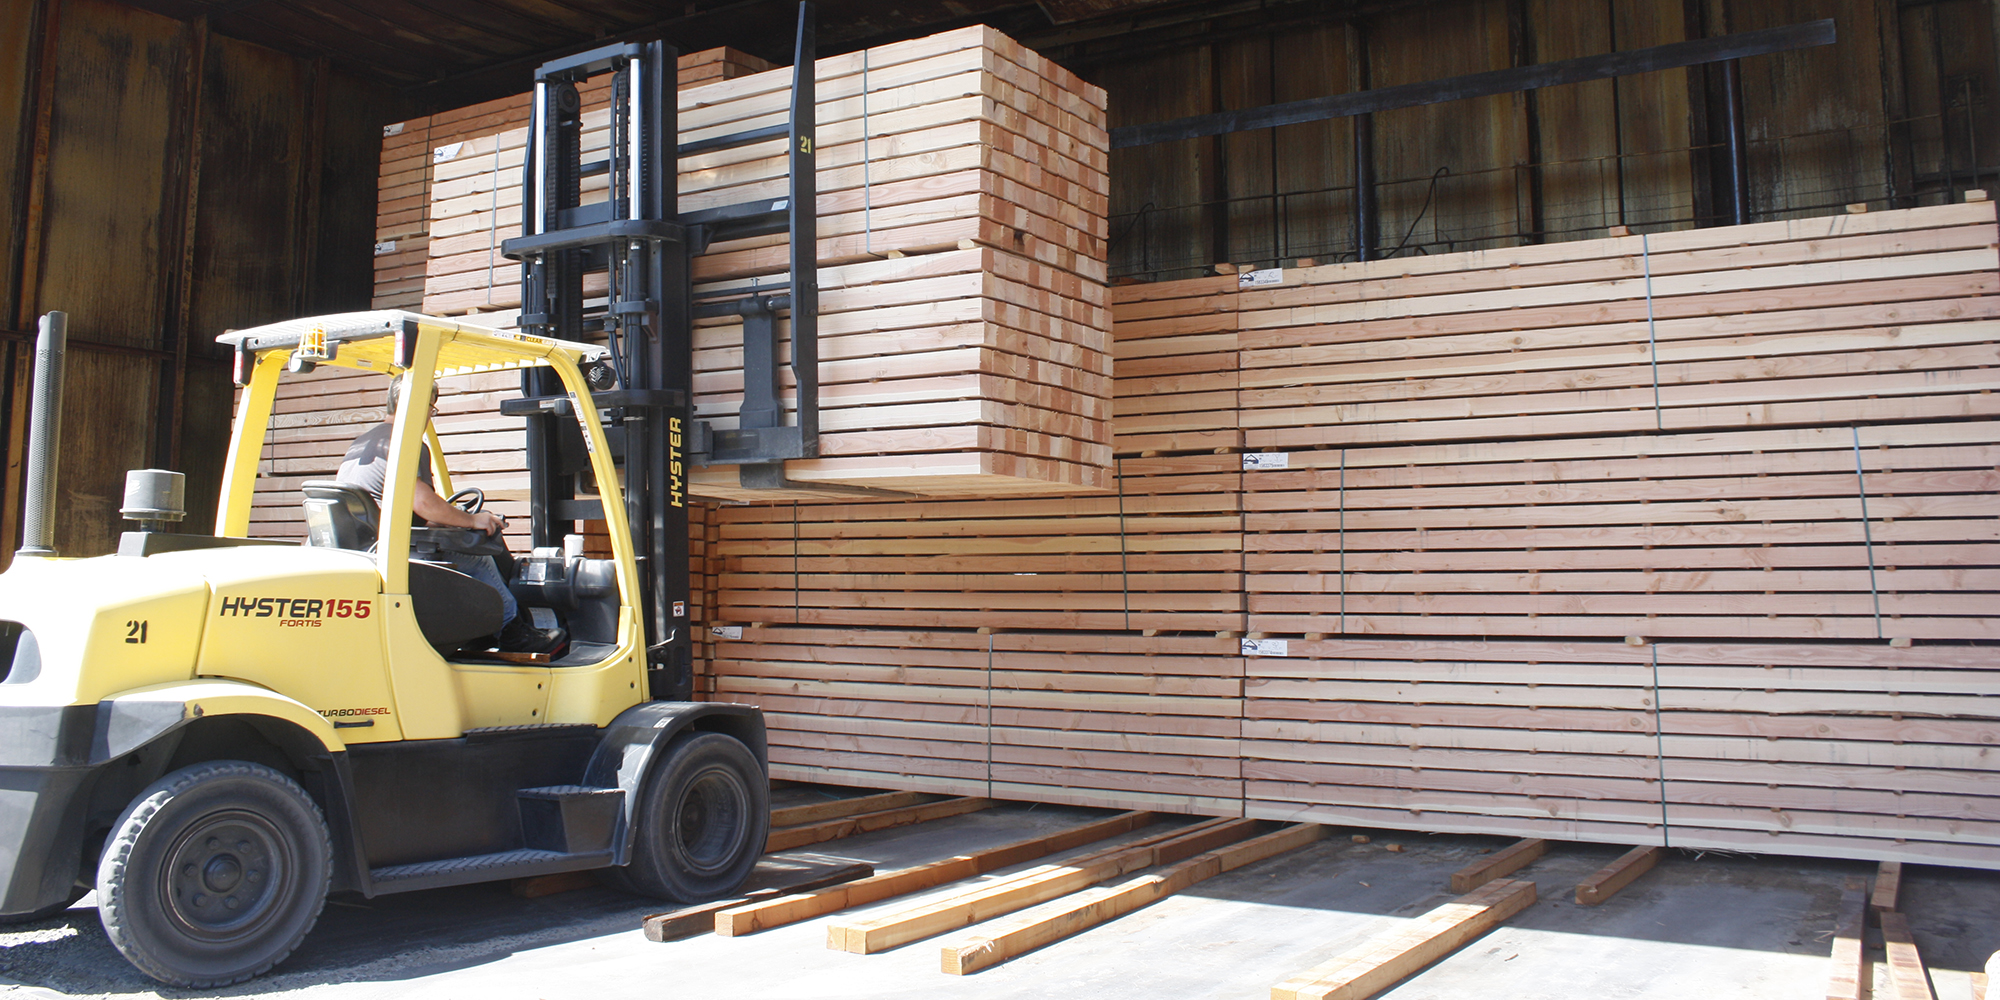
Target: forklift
213 732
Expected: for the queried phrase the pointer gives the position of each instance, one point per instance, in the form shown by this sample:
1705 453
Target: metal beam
1505 81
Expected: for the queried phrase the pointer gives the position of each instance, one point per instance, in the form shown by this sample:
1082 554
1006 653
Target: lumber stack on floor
1479 602
1832 750
1101 720
962 205
877 707
1531 739
1163 555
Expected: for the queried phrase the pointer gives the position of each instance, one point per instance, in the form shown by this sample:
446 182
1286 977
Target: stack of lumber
871 707
1805 322
1829 750
1487 584
1089 719
1531 739
1858 532
1179 372
1163 554
713 65
962 205
1832 750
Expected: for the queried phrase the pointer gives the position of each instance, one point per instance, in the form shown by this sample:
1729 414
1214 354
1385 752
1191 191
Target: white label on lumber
446 152
1266 460
726 631
1267 647
389 130
386 246
1268 276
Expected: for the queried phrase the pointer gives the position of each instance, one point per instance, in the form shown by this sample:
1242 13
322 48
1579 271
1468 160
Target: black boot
521 636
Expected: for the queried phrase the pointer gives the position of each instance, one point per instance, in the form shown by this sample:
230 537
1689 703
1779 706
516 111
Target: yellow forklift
214 732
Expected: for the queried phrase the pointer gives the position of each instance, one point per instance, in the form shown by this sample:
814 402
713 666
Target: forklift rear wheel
214 874
701 822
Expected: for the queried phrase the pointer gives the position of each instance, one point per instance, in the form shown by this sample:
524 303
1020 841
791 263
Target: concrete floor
1712 927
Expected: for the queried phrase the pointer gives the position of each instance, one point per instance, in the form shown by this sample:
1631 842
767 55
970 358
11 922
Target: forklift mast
637 236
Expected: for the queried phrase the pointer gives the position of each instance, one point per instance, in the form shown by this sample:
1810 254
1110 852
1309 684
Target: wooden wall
1899 112
165 184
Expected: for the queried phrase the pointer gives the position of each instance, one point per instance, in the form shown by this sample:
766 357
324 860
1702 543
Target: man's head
396 392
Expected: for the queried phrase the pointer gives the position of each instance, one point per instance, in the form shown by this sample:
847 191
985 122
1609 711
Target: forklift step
483 868
570 818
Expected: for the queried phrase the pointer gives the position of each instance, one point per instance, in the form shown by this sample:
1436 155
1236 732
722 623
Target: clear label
446 152
386 246
1266 647
726 631
1268 276
1261 461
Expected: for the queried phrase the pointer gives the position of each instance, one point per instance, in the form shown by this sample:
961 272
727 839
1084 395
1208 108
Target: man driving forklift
366 466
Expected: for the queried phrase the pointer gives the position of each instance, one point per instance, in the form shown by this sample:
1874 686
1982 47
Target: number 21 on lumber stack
897 264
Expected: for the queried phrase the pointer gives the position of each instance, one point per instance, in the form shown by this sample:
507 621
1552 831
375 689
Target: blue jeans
481 568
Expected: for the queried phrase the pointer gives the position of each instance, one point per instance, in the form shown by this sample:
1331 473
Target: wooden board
1605 882
1066 917
1374 967
1848 968
763 915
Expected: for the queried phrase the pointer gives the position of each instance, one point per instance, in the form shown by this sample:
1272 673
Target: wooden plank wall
165 184
1411 544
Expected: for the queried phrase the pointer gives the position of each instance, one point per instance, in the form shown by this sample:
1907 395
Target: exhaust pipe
38 528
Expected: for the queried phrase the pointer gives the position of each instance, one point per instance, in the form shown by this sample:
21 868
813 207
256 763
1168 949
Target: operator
366 466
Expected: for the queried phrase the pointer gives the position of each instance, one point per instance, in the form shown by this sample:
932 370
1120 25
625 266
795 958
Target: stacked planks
1106 720
964 322
1163 554
1175 345
1857 532
1531 739
1490 583
1831 750
1805 322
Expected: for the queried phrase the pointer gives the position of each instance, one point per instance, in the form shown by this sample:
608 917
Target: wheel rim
227 875
710 818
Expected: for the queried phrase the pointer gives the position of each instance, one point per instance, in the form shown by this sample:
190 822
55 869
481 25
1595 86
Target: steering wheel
471 499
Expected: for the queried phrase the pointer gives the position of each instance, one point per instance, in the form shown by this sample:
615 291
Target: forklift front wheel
214 874
701 822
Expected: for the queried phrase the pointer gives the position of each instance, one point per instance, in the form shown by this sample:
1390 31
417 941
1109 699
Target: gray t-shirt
367 462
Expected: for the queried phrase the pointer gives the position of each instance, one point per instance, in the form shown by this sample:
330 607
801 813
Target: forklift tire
700 824
214 874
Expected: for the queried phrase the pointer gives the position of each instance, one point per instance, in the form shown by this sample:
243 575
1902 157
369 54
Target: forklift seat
339 516
453 610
